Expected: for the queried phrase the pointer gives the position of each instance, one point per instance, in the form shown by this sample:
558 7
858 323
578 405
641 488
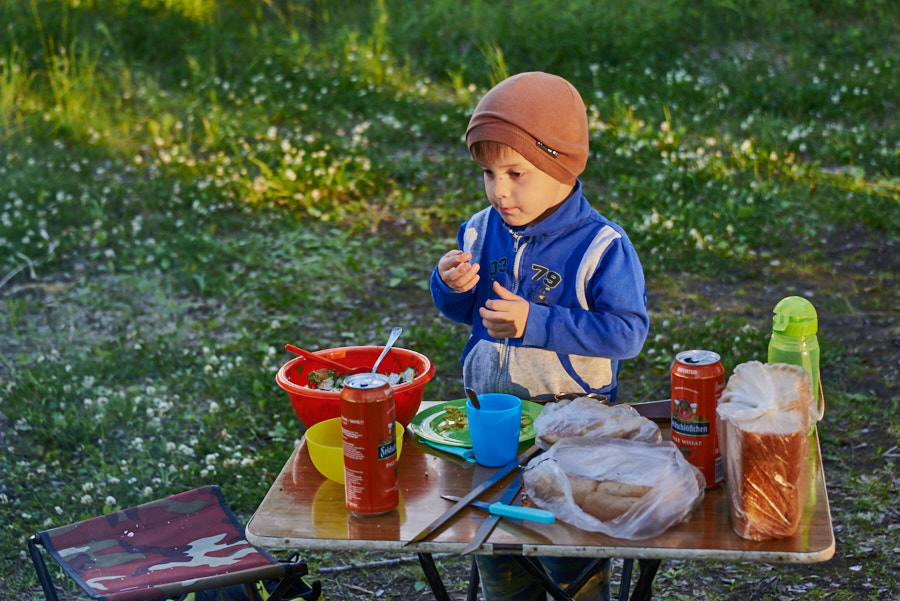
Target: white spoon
395 333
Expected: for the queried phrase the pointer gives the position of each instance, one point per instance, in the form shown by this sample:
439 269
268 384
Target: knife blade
657 411
489 522
532 514
493 479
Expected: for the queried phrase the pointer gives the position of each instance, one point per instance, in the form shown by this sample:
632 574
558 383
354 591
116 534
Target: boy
554 292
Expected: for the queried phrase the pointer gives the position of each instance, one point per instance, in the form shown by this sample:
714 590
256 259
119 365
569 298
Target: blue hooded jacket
588 299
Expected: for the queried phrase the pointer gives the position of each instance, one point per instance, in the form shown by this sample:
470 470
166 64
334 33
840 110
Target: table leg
625 582
541 577
643 588
474 579
433 577
586 574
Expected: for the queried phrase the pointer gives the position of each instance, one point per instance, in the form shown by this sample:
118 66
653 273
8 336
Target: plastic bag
763 424
674 488
585 416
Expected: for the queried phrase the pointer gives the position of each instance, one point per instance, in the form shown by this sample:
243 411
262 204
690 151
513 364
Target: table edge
635 552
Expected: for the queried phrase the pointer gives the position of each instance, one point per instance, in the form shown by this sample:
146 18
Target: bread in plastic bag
585 416
650 482
763 426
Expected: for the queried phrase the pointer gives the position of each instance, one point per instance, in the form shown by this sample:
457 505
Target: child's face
520 192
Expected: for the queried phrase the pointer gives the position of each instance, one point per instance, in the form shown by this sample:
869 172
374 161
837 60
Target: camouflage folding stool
168 548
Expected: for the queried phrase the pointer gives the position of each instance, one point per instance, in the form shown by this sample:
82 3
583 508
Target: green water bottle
794 341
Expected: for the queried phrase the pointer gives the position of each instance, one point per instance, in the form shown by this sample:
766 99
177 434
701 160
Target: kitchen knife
496 477
657 411
488 524
511 511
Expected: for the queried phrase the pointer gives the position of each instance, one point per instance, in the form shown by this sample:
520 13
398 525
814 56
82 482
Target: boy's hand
505 317
456 271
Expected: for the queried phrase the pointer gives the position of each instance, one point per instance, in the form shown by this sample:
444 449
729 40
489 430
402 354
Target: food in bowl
323 441
312 405
330 380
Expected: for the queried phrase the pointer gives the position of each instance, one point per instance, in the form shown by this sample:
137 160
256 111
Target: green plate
427 424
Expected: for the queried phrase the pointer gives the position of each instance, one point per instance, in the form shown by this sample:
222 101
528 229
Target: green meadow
188 185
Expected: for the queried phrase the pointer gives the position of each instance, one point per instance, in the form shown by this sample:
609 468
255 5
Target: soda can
370 445
698 379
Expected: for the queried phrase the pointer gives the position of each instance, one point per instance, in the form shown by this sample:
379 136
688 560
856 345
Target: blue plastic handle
523 513
511 511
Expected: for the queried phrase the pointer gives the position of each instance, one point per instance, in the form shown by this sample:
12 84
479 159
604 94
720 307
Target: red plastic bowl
313 406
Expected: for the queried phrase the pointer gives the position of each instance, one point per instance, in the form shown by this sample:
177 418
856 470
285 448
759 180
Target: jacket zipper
504 349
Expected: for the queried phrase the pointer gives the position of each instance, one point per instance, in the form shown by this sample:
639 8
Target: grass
187 185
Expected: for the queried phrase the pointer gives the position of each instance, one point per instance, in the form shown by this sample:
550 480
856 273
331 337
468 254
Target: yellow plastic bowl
326 451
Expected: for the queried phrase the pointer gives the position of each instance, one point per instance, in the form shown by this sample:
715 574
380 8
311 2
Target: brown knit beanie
540 116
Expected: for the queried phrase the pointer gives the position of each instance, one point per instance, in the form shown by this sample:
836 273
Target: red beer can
370 445
698 379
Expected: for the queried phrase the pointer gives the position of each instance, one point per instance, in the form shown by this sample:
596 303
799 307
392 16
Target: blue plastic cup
495 428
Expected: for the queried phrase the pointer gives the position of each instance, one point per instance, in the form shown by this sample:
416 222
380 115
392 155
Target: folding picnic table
304 511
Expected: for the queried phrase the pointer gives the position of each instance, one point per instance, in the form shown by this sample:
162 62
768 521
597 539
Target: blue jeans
502 578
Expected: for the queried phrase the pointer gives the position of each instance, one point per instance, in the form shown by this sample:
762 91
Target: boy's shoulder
605 221
580 218
480 217
474 230
592 213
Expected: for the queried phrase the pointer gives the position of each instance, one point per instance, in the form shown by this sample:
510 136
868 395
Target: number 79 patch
549 280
